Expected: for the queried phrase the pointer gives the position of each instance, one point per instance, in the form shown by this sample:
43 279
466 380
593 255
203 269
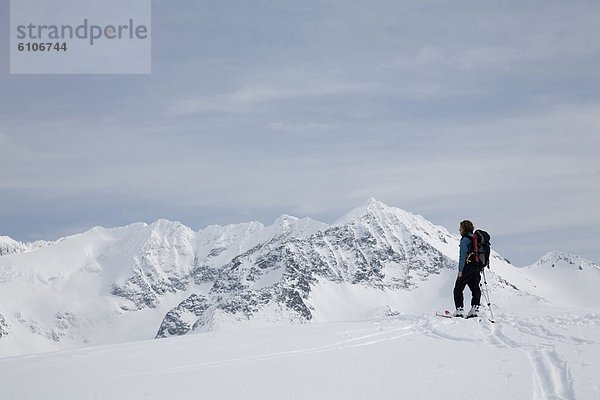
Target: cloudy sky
453 110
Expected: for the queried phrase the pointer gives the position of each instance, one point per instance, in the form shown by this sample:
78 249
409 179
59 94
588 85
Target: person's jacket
466 245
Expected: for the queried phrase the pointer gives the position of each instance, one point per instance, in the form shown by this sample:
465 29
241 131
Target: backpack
481 249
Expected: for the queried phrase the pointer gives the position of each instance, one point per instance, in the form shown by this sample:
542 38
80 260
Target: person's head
466 227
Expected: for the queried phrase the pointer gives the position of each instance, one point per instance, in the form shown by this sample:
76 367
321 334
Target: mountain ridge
162 279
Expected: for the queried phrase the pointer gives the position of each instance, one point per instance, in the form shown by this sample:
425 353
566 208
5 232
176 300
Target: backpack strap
475 247
469 259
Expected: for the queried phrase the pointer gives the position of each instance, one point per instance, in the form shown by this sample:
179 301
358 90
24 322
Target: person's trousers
470 277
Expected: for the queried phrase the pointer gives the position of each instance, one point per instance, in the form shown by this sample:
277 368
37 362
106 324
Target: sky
488 111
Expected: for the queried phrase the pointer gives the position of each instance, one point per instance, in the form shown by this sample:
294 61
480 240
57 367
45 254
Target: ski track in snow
364 340
551 374
543 340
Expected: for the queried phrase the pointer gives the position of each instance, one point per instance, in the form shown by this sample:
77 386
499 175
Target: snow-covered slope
143 281
10 246
408 356
113 285
566 280
375 251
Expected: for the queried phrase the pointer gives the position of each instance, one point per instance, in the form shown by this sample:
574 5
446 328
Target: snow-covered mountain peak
375 214
165 227
371 206
380 211
96 228
564 279
374 204
288 225
10 246
286 218
561 259
285 222
99 285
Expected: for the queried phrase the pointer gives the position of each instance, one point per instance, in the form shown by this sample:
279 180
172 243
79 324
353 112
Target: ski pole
487 297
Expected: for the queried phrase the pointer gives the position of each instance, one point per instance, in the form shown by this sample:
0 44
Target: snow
401 356
10 246
557 270
370 338
396 218
76 274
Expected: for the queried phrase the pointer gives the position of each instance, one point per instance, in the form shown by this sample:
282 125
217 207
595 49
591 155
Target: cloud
251 97
252 111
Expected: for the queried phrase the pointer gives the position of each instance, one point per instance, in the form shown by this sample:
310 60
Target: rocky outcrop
4 327
182 318
363 250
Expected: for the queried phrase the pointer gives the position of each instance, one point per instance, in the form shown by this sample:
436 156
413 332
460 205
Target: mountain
164 279
569 280
565 261
374 246
113 285
10 246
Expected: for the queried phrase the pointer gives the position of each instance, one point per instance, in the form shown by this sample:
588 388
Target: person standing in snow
468 273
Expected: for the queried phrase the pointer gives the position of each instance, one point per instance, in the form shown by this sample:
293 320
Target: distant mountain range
143 281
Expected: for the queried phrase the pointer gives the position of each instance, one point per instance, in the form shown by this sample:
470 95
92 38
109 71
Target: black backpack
480 256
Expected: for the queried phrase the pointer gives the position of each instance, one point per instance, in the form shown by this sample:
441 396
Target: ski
445 314
449 314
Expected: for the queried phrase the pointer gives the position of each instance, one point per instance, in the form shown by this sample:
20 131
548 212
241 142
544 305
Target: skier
468 273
